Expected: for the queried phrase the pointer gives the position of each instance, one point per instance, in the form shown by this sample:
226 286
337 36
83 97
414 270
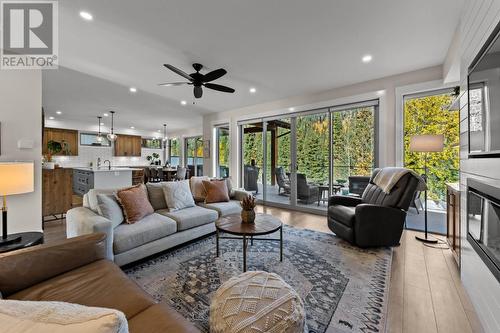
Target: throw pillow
110 209
156 196
197 188
178 195
135 203
230 189
216 191
59 317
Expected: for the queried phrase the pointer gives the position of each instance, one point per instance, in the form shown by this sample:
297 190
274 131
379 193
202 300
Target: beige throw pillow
59 317
197 188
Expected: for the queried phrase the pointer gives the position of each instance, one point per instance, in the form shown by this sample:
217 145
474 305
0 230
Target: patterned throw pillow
216 191
135 203
178 195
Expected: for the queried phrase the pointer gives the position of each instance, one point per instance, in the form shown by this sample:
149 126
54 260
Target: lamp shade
16 178
427 143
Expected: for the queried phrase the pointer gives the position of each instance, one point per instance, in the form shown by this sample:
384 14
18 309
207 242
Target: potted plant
154 159
247 209
53 147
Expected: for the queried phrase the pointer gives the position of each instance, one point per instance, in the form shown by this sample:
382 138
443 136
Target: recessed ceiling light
105 114
159 131
183 102
133 89
252 90
51 118
381 92
86 16
291 109
132 127
367 58
102 124
58 112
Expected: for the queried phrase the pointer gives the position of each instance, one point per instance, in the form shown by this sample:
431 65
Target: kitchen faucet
109 164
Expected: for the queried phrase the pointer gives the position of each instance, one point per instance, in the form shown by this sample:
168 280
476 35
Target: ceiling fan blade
178 71
173 84
198 91
219 87
214 75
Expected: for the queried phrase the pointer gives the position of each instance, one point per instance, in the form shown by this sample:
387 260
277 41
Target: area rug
344 288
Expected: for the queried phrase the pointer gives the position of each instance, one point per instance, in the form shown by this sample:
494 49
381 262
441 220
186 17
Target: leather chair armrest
344 200
26 267
377 225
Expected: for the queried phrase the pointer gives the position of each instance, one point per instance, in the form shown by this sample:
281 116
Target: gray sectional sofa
162 230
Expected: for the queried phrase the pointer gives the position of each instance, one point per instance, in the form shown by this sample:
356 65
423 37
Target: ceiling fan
199 80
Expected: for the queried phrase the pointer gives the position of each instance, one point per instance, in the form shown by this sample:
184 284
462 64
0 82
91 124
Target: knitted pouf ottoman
256 302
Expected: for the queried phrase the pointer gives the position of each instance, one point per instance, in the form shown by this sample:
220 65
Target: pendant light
112 136
99 136
165 133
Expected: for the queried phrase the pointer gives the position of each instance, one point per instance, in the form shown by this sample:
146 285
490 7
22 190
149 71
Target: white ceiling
281 47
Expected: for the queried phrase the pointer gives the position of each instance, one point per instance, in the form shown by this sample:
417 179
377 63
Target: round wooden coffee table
264 224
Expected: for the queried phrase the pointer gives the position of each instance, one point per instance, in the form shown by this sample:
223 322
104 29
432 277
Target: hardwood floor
426 294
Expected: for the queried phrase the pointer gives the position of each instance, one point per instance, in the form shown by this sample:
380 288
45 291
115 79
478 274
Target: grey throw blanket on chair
388 177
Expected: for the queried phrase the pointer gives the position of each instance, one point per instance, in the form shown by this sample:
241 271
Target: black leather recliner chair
375 219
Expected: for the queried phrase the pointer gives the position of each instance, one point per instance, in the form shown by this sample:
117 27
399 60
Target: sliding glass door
222 151
194 155
300 159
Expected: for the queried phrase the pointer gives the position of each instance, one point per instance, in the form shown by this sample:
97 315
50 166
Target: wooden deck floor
426 294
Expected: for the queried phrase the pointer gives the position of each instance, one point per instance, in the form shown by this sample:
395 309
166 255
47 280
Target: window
194 155
90 139
222 151
175 152
152 143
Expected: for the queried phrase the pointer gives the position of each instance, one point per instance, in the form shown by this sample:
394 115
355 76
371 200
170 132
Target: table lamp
15 178
427 143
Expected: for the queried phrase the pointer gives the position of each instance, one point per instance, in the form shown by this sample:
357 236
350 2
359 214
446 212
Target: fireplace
483 222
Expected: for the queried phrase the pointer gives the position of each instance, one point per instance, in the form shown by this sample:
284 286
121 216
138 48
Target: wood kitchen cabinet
68 136
57 191
128 145
453 219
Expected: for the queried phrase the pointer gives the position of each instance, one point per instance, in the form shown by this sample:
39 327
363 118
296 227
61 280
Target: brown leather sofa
75 270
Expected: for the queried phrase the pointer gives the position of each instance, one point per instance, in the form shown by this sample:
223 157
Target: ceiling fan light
99 138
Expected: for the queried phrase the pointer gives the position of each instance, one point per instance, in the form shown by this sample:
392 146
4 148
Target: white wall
384 88
21 118
478 19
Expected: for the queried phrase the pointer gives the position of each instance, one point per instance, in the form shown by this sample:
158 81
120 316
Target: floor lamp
428 143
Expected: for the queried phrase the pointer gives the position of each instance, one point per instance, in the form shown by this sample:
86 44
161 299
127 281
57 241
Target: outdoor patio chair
306 193
282 180
250 178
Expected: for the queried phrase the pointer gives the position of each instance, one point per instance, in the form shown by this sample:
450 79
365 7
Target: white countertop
106 169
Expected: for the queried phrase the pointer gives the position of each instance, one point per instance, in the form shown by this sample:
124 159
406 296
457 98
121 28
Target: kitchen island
85 179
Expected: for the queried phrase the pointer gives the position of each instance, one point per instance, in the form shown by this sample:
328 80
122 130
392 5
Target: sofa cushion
217 191
59 317
224 208
178 195
150 228
197 188
343 214
160 318
156 195
110 209
135 203
191 217
101 284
